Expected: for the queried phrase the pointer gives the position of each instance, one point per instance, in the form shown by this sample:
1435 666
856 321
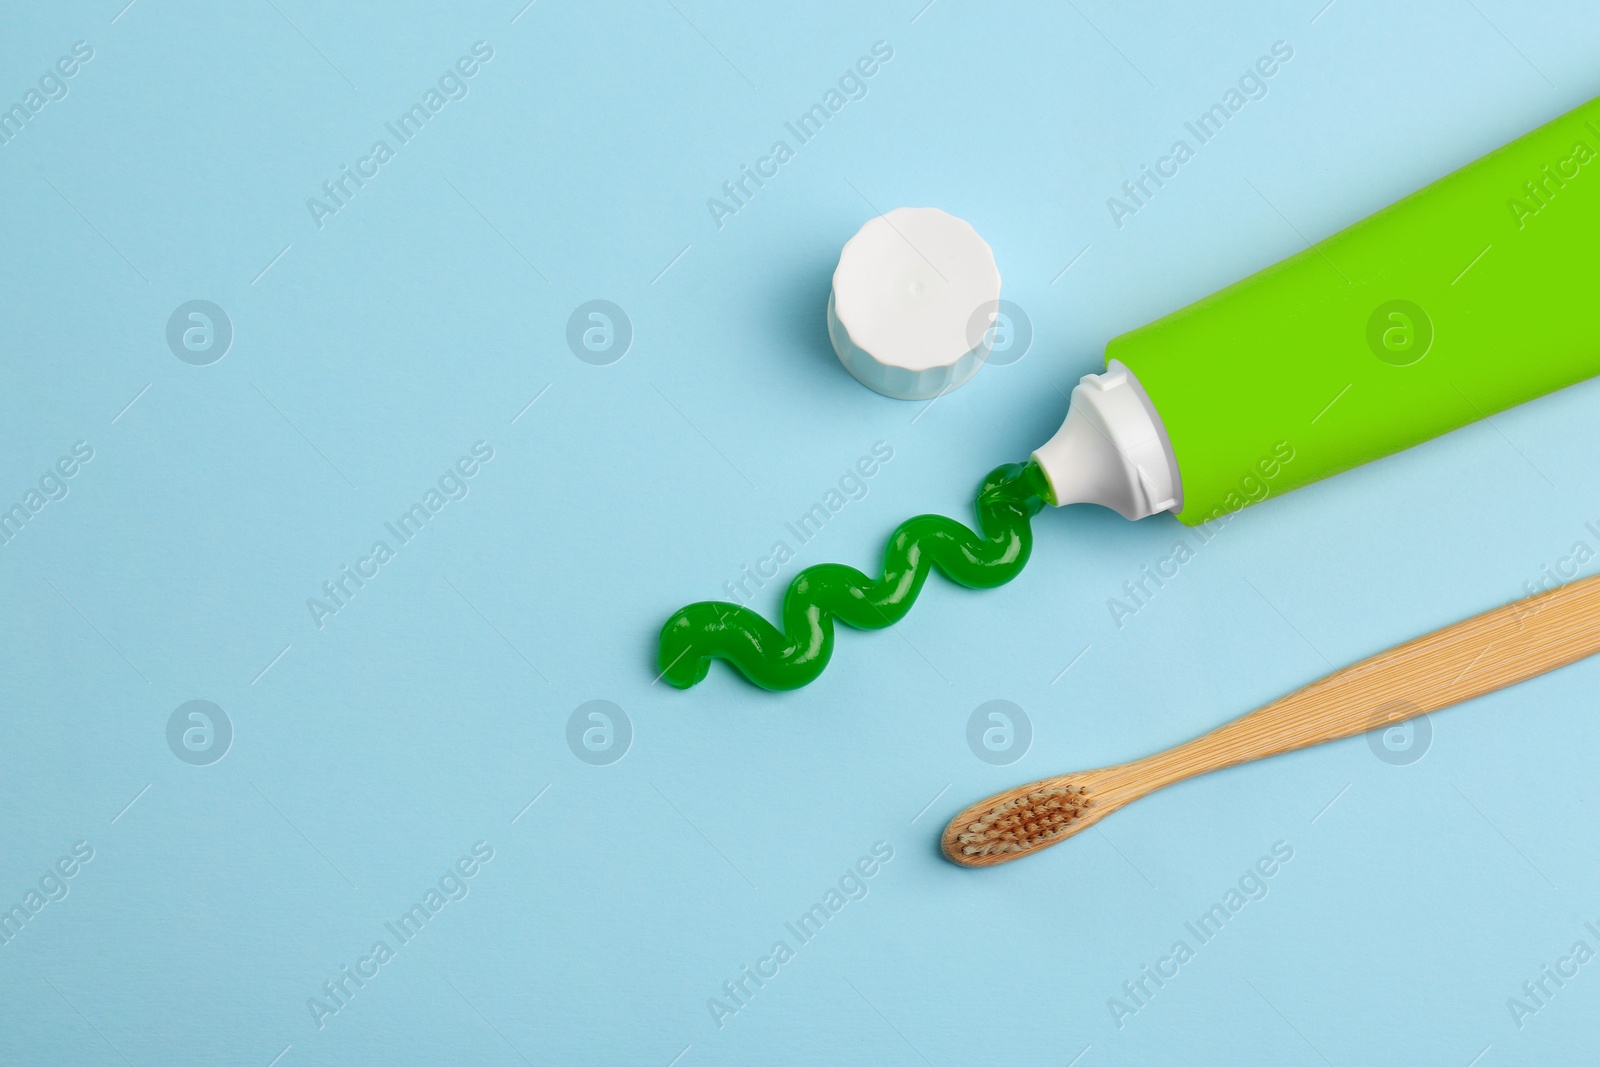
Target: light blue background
371 754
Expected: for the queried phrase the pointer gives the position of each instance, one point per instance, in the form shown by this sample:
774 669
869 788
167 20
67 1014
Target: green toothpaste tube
1470 296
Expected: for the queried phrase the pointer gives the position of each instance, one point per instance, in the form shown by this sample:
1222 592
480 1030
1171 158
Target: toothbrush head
1015 823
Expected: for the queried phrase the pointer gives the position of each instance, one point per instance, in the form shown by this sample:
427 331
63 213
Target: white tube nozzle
1112 449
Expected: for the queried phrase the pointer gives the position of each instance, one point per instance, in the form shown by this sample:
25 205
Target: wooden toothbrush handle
1467 659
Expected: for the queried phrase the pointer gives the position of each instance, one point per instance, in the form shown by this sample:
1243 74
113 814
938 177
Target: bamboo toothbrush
1467 659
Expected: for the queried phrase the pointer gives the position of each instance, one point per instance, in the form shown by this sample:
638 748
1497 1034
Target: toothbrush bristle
1024 823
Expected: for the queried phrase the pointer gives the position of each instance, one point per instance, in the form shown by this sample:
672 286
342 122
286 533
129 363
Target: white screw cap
906 295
